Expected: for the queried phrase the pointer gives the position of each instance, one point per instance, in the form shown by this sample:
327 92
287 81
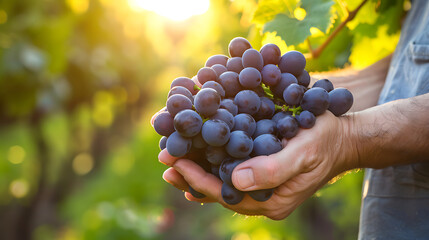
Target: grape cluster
240 107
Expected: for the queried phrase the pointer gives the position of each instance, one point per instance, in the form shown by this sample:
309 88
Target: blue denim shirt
395 200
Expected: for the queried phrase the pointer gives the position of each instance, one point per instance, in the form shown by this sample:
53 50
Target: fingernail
245 178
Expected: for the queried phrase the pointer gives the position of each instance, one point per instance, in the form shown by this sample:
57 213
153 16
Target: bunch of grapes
241 107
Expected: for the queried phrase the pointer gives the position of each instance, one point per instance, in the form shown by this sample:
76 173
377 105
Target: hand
308 162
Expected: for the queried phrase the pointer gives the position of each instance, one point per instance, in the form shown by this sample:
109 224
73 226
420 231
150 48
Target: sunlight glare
172 9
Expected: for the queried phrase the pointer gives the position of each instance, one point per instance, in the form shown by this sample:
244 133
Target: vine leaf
294 31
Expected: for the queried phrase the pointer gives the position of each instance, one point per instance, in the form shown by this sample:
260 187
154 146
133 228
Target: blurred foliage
79 80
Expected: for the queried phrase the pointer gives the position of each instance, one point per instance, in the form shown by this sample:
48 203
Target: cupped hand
307 162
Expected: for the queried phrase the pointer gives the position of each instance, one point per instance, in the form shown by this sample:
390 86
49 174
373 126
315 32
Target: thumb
265 172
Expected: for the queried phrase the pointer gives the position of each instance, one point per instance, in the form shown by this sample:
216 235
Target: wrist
351 144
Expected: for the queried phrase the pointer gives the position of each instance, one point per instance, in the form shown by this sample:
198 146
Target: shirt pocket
418 49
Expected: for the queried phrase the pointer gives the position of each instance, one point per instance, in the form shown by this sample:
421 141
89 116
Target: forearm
394 133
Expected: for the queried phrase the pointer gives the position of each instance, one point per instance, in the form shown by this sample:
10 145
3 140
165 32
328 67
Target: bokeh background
80 80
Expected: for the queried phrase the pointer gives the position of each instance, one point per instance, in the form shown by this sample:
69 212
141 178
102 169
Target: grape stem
196 87
315 53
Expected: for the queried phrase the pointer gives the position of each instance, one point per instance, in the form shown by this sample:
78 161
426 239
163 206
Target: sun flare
172 9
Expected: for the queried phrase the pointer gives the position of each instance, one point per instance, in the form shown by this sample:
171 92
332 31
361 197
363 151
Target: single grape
229 82
215 170
247 101
237 46
219 69
177 103
271 75
306 119
287 127
163 124
231 195
250 78
215 155
185 82
206 74
252 58
227 167
188 123
235 64
224 115
280 115
315 100
229 105
304 78
240 145
215 132
292 62
180 90
266 144
266 110
265 126
293 94
195 193
207 102
261 195
286 80
216 86
216 59
178 146
163 142
270 53
259 90
340 101
244 122
325 84
198 142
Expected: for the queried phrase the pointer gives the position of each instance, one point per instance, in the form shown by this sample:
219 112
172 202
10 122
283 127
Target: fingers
174 178
165 158
265 172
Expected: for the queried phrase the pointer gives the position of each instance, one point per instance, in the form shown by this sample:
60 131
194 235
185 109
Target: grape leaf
267 10
294 31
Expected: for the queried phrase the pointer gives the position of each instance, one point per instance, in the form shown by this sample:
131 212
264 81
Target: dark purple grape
216 86
215 132
280 115
252 58
185 82
340 101
286 80
306 119
195 193
207 102
247 101
215 170
287 127
215 155
292 62
216 59
261 195
325 84
227 167
237 46
219 69
265 126
315 100
244 122
235 64
266 144
181 90
293 94
163 124
304 79
188 123
259 90
229 82
177 103
206 74
178 146
266 110
240 145
271 75
271 54
198 142
231 195
224 115
250 78
229 105
163 143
